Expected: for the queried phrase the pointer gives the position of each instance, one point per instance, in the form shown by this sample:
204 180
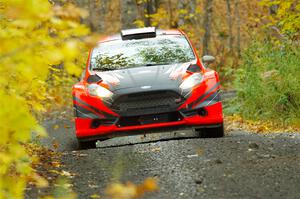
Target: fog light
96 123
202 112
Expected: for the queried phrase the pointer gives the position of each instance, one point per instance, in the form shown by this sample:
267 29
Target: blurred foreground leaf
35 38
130 190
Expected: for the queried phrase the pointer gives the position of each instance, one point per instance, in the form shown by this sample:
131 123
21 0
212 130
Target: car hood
161 77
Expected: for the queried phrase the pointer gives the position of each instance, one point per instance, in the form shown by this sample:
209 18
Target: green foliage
286 17
35 36
268 83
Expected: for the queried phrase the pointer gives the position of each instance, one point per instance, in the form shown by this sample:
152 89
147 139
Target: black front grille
147 103
149 119
105 122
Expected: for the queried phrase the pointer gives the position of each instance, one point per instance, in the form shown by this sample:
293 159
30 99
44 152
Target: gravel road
241 165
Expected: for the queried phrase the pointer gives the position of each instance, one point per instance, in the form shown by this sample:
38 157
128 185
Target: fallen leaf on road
40 182
55 144
158 149
200 152
67 174
93 186
193 156
95 196
143 137
55 127
56 164
66 126
54 172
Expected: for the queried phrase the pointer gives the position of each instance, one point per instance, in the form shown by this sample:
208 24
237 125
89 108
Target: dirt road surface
240 165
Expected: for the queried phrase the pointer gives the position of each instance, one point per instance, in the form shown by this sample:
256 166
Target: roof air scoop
139 33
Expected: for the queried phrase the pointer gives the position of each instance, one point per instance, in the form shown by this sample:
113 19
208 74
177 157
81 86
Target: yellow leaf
40 181
95 196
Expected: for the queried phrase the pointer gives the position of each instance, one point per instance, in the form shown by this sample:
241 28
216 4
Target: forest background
44 46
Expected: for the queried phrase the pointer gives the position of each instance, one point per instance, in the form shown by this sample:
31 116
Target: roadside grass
268 88
237 122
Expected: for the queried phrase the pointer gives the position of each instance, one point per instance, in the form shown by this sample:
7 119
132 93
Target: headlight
191 81
99 91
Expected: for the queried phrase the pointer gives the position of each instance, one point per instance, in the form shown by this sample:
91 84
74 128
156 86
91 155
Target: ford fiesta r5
146 79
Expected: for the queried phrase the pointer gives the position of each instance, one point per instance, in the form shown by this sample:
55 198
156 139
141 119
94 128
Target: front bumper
85 129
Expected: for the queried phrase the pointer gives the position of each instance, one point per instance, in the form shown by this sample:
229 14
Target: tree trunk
102 8
181 8
238 27
192 9
128 13
150 7
207 25
273 9
170 10
186 8
92 18
229 23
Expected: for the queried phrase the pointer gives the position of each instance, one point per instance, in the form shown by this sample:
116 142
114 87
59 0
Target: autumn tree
128 13
186 11
238 26
284 17
207 25
35 36
230 26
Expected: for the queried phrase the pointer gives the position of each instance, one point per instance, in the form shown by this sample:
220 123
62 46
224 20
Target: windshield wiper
103 69
157 64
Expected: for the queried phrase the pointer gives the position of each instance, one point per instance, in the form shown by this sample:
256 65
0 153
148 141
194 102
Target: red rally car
146 79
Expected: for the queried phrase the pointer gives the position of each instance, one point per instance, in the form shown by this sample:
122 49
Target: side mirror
208 59
94 79
82 75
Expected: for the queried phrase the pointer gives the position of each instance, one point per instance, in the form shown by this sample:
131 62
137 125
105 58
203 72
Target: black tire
214 132
86 144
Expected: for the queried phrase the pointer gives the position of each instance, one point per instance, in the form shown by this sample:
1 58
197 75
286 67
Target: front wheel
214 132
86 144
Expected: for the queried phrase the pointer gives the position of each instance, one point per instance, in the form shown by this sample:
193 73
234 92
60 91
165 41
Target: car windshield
161 50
